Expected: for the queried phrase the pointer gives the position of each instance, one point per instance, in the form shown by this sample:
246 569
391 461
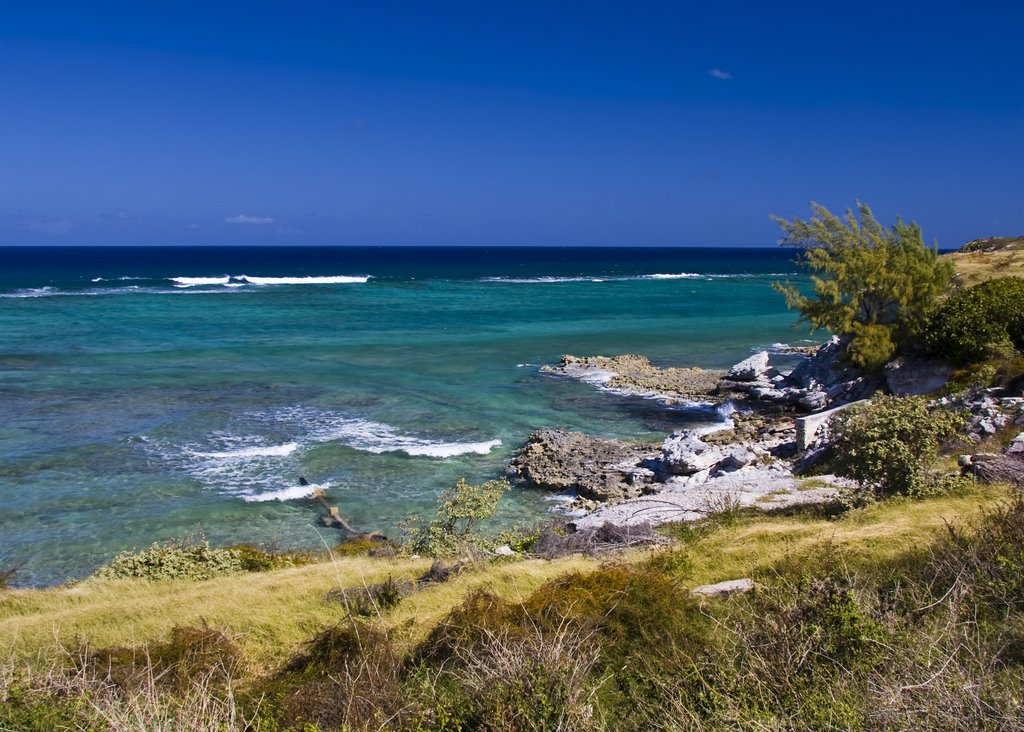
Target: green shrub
26 709
887 445
347 677
970 323
253 559
636 635
176 560
461 510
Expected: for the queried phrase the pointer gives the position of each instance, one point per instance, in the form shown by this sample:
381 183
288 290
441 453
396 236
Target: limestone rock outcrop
605 471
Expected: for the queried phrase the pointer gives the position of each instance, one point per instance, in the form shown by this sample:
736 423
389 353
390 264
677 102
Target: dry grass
271 613
876 533
975 267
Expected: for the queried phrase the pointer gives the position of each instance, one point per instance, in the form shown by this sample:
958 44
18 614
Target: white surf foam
244 463
451 449
199 281
31 292
319 426
252 452
334 280
679 276
544 280
291 493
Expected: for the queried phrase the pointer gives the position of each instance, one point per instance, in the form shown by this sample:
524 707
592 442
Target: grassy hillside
272 613
983 259
878 618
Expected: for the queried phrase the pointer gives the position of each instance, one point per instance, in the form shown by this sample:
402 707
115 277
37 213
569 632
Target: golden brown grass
272 613
875 533
975 267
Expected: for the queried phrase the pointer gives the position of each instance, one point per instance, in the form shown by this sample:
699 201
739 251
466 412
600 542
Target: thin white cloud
243 219
50 228
719 74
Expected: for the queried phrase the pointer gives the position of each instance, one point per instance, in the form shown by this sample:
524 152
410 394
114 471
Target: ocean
152 393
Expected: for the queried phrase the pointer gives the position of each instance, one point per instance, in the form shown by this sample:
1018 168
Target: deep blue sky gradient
503 123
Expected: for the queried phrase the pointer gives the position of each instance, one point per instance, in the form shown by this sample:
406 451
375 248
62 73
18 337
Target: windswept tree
873 284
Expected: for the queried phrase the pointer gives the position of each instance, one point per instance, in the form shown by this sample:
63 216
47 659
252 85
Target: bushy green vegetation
177 560
460 510
189 559
969 324
871 283
887 445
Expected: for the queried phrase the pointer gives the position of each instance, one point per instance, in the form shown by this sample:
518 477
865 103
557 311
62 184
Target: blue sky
503 123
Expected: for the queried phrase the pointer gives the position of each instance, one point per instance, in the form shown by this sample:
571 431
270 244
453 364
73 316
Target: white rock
685 454
724 588
751 368
505 551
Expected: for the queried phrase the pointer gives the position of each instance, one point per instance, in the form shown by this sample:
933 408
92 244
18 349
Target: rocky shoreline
773 423
634 375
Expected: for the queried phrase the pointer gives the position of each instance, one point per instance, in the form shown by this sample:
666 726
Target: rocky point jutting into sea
772 424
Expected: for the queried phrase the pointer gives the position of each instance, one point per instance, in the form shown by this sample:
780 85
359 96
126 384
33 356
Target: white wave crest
291 493
244 453
334 280
679 276
199 281
544 280
31 292
319 426
451 449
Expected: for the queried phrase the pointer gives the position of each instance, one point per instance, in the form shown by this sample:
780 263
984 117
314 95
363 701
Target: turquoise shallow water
191 397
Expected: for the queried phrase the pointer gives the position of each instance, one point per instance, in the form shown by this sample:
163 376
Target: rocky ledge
754 459
688 472
634 375
599 471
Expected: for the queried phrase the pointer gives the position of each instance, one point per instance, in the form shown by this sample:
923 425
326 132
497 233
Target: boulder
741 457
750 369
605 471
916 376
1016 447
725 588
683 453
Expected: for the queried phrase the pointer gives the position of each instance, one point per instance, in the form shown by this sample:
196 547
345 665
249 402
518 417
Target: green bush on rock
887 445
